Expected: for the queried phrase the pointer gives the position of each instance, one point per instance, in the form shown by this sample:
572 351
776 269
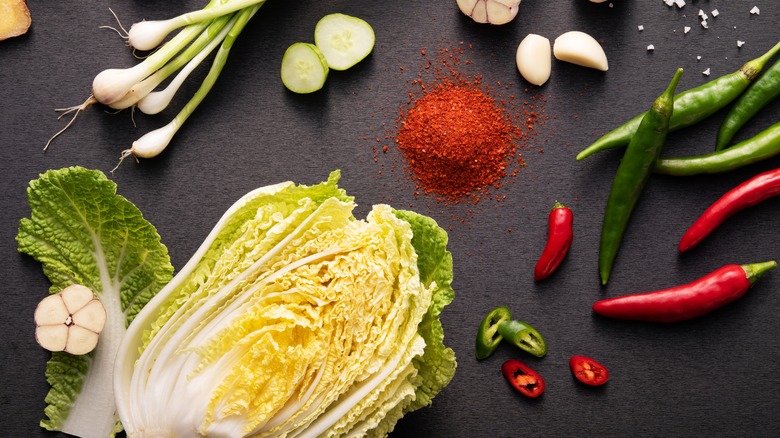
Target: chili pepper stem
664 104
753 68
754 271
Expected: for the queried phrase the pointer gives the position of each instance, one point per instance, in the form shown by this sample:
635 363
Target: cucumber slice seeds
304 68
344 40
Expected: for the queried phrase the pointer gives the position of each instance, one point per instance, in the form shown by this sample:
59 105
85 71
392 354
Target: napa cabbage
293 318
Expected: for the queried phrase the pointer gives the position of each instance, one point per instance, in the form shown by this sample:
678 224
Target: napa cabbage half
293 318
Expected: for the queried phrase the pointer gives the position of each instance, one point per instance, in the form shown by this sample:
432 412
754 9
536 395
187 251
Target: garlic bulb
70 320
490 11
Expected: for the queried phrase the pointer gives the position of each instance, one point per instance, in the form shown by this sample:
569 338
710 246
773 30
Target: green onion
218 24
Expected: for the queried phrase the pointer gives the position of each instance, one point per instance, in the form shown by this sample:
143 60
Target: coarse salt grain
698 58
650 48
740 43
706 72
701 13
755 10
714 13
687 29
679 3
640 27
669 2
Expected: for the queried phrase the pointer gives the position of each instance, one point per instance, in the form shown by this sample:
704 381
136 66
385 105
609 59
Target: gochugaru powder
457 140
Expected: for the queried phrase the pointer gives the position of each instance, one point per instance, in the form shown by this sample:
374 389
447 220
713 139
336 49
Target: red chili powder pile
458 140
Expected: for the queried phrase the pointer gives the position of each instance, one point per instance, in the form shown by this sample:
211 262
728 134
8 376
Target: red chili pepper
588 371
687 301
522 378
559 237
747 194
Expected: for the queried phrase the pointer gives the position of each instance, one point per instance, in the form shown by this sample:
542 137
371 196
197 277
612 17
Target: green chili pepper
763 91
632 175
488 337
690 106
764 145
524 336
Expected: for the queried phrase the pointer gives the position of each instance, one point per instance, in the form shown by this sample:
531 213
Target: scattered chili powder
457 140
459 136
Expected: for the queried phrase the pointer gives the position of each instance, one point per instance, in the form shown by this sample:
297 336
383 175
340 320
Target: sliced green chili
632 175
524 336
690 106
764 145
488 337
763 91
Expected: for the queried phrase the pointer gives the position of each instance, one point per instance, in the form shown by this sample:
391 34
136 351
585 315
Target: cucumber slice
304 68
344 40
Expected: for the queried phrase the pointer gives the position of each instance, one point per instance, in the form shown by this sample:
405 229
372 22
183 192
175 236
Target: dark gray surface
717 375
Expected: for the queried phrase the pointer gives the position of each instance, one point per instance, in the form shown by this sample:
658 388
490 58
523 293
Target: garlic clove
91 317
75 297
580 48
534 59
52 337
51 310
80 340
475 9
501 12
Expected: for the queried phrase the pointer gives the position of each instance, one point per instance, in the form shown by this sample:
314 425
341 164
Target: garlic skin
490 11
580 48
534 59
70 320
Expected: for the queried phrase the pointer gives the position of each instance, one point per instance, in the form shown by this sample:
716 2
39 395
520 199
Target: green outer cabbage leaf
82 232
437 365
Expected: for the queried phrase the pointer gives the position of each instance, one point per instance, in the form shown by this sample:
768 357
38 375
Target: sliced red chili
525 380
588 371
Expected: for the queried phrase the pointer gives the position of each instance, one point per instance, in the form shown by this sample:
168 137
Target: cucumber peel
344 40
304 68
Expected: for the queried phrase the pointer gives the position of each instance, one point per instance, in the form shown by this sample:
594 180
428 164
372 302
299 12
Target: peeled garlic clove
91 317
52 337
534 59
490 11
581 49
51 308
80 340
76 296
